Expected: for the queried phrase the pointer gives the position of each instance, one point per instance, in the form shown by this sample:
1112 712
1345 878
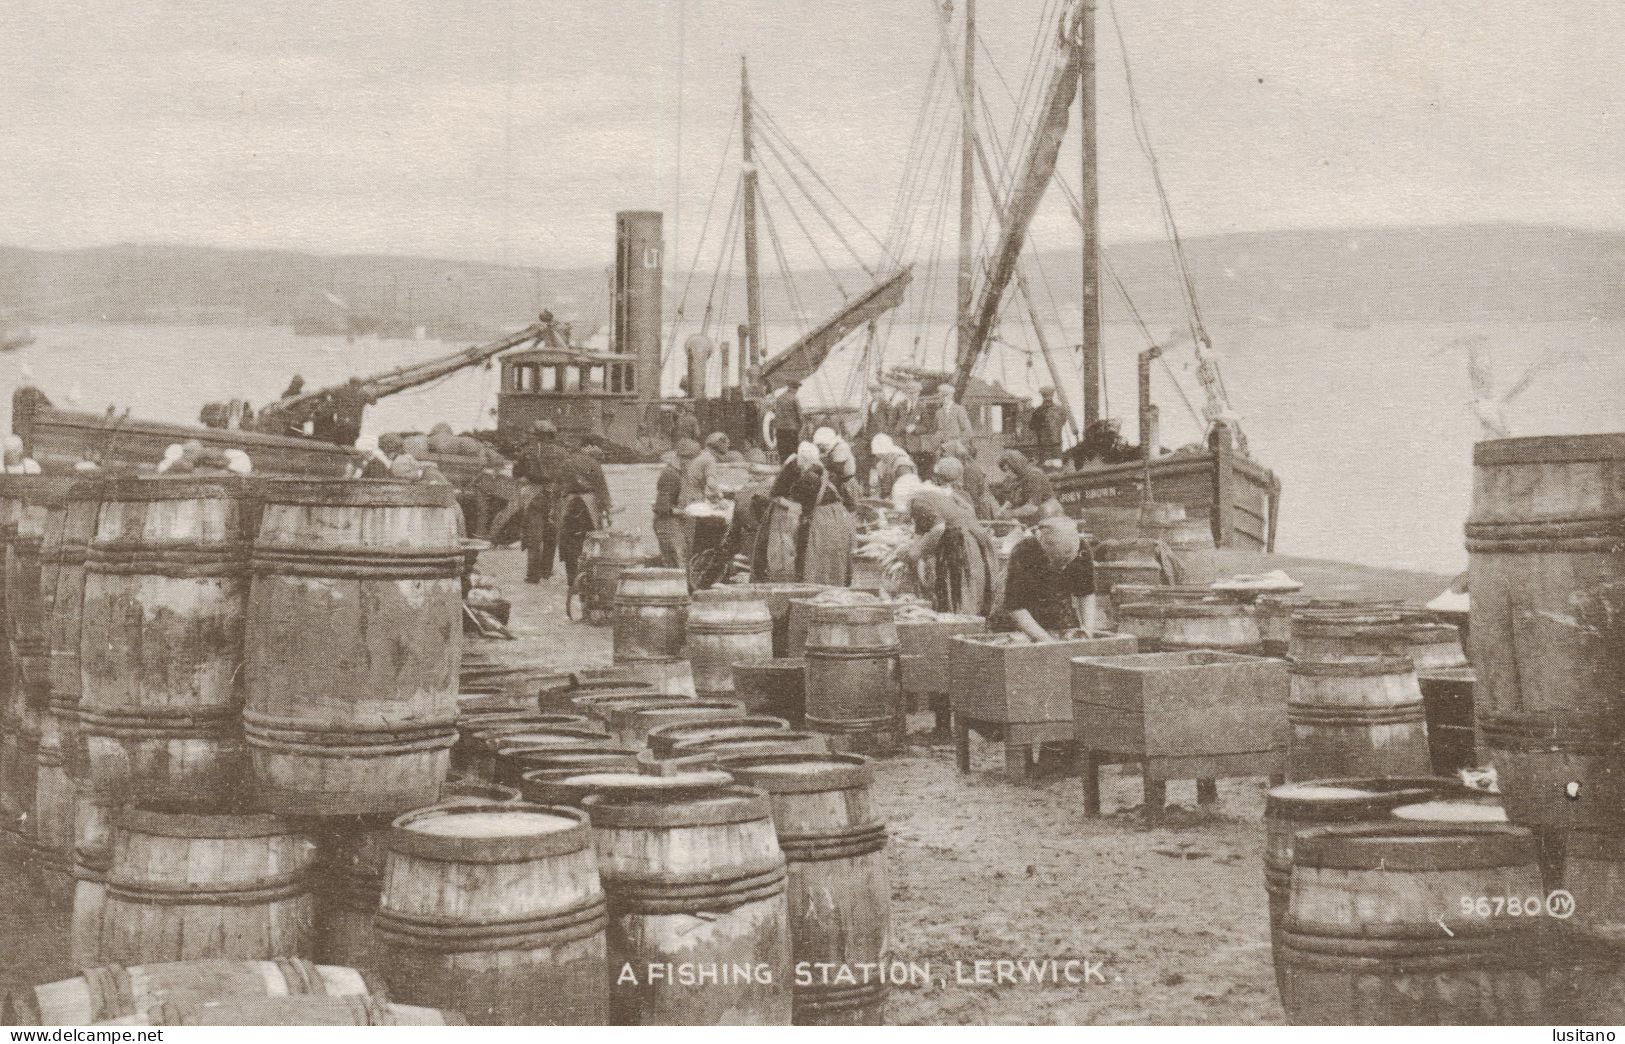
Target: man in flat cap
542 468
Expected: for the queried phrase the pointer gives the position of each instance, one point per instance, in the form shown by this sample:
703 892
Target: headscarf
172 454
807 455
238 462
882 445
824 438
948 469
907 487
1015 461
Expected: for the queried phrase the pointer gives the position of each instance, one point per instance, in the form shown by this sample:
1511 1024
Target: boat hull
1238 495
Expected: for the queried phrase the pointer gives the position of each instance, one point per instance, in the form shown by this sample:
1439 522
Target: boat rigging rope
811 240
777 131
693 267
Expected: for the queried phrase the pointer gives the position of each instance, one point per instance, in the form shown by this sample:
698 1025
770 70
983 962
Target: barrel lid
1415 846
801 773
604 701
336 492
1353 799
659 803
1349 616
163 821
1483 808
1351 667
1551 449
489 832
585 757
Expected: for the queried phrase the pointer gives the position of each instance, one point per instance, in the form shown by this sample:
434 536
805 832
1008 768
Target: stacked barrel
1546 554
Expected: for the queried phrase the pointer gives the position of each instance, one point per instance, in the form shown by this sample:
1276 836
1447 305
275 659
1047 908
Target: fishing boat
1217 479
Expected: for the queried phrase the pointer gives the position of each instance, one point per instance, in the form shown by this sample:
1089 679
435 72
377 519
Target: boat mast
1090 202
753 284
967 183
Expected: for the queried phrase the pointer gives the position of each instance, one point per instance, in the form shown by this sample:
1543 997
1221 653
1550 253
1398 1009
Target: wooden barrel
1447 701
93 815
1110 522
349 875
725 625
484 740
64 555
100 994
778 598
1294 807
1182 626
556 763
1335 634
651 615
834 843
853 692
161 642
355 623
775 687
605 555
632 723
32 506
1355 717
185 886
800 613
695 878
1363 939
295 1011
663 738
495 910
1547 576
1123 563
1274 613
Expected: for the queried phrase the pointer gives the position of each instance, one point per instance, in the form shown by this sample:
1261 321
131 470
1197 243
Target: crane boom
1037 168
412 375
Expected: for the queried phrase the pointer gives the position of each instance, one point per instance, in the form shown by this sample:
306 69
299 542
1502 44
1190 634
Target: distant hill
1377 275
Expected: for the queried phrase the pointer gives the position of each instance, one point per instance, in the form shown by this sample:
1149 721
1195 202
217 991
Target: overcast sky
512 131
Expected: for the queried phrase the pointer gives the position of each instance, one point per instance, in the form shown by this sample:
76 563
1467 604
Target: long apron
962 572
828 558
773 559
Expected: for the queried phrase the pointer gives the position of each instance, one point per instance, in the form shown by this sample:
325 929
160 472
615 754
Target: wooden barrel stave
294 1011
651 615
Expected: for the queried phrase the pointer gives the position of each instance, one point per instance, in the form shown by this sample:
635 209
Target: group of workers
566 497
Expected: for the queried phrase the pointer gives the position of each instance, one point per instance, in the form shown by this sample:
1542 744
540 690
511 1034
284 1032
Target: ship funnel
636 294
